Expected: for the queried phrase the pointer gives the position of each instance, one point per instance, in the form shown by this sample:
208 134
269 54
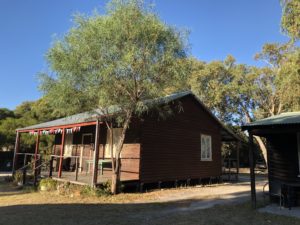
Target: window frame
210 149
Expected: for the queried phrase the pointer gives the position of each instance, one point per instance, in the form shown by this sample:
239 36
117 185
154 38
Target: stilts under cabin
184 146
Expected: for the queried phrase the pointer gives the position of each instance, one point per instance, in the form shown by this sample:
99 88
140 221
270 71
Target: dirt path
223 191
189 199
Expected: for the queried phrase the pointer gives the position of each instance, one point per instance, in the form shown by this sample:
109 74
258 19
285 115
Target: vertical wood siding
282 160
171 148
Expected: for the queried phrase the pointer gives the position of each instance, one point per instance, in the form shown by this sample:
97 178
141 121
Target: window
116 137
87 139
206 148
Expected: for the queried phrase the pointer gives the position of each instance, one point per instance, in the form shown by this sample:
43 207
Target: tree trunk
115 179
262 147
260 142
115 184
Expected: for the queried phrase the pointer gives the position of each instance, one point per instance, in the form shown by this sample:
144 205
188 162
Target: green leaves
4 113
223 87
120 58
26 114
290 20
239 93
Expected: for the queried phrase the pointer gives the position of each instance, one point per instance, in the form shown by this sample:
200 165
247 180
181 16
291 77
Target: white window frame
202 146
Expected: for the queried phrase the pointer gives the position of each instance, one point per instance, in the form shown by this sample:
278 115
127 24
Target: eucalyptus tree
239 94
278 82
290 20
225 87
120 58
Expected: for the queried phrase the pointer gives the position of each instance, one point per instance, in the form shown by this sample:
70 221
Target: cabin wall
282 161
171 148
130 161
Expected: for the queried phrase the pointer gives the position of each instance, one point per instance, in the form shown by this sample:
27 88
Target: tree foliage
4 113
282 71
25 114
122 57
239 93
224 87
290 20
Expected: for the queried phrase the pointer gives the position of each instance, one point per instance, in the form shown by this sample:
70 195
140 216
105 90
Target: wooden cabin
185 145
282 135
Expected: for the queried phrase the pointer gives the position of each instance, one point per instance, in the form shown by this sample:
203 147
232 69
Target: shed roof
93 115
288 118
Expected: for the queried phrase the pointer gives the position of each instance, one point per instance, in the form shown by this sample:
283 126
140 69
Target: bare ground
218 204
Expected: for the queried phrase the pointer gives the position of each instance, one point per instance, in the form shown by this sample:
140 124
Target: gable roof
95 114
90 116
288 118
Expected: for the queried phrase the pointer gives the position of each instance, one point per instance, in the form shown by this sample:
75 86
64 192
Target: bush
73 190
106 187
18 177
103 190
66 188
47 184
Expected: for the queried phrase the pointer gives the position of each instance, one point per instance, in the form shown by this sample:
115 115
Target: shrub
18 177
66 188
106 187
47 184
102 190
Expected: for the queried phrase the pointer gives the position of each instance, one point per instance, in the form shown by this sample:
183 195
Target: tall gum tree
290 20
120 58
239 94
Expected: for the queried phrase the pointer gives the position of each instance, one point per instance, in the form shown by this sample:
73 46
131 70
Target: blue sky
218 28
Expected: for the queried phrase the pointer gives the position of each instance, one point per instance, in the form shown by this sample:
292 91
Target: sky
217 28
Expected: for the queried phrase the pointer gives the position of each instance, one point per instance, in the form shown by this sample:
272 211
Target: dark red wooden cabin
185 145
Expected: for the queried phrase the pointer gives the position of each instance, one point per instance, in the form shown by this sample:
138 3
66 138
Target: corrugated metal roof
95 114
78 118
287 118
227 134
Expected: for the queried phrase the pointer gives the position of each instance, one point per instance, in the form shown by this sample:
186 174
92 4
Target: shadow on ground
175 213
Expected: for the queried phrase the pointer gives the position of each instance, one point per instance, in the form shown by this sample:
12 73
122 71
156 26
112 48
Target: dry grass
17 207
12 195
